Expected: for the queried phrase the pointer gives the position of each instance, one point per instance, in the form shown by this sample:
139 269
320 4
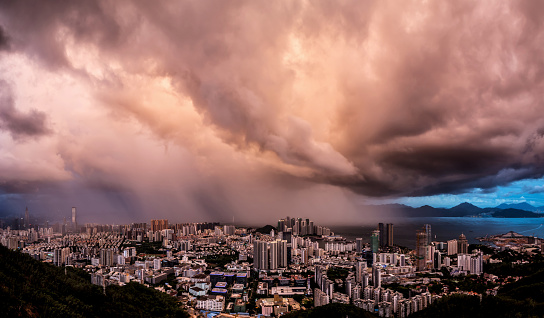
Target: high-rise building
452 247
283 259
281 225
437 260
375 241
74 218
389 234
376 276
421 249
360 269
386 234
260 255
382 235
462 244
106 257
427 228
27 218
256 254
159 225
359 244
274 254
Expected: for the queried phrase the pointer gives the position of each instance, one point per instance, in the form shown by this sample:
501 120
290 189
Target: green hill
29 288
331 311
266 229
524 298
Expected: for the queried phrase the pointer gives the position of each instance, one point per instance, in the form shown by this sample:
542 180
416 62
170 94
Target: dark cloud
19 124
381 98
4 39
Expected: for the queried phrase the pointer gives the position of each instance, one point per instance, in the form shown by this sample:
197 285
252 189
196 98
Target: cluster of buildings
231 270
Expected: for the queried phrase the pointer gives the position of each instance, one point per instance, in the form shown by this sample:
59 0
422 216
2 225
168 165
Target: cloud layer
234 108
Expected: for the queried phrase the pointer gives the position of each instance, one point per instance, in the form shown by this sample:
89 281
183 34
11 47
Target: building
27 219
74 218
421 249
452 247
376 276
159 225
471 263
427 228
211 303
382 235
386 234
358 245
389 229
462 244
106 257
60 256
437 260
320 298
375 241
260 255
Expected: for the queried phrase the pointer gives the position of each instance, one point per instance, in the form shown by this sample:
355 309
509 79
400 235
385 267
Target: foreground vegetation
332 311
524 298
30 288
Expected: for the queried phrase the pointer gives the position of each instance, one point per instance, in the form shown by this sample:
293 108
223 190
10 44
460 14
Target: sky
253 110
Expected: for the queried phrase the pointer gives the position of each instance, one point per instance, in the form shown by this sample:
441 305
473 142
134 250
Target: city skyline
249 110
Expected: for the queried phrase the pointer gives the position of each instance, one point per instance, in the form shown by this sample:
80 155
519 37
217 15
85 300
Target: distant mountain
461 210
515 213
465 209
266 229
520 206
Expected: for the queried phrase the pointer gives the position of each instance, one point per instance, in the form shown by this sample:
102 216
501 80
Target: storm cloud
20 125
228 108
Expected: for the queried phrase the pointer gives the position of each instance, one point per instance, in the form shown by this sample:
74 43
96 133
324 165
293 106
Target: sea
446 228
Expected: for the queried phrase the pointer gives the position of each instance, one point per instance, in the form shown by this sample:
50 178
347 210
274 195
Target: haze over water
444 229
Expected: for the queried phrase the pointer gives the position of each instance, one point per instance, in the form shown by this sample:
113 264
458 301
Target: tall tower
74 218
383 234
427 228
390 234
421 246
27 218
462 244
375 241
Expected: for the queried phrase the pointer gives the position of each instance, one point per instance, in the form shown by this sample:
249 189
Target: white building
211 303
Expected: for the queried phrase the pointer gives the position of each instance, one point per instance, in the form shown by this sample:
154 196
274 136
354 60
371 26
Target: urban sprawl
236 271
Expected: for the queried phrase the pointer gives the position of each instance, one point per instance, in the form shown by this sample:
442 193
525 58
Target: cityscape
215 270
296 159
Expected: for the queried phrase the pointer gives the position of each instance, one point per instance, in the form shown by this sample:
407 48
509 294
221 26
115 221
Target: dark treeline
30 288
331 311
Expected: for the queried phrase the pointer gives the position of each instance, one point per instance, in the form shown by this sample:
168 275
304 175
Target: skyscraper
427 228
282 262
386 234
274 254
74 218
359 244
375 241
462 244
376 276
421 244
27 218
159 225
383 234
389 234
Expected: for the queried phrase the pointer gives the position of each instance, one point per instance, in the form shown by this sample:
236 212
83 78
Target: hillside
461 210
332 311
515 213
524 298
266 229
520 206
29 288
